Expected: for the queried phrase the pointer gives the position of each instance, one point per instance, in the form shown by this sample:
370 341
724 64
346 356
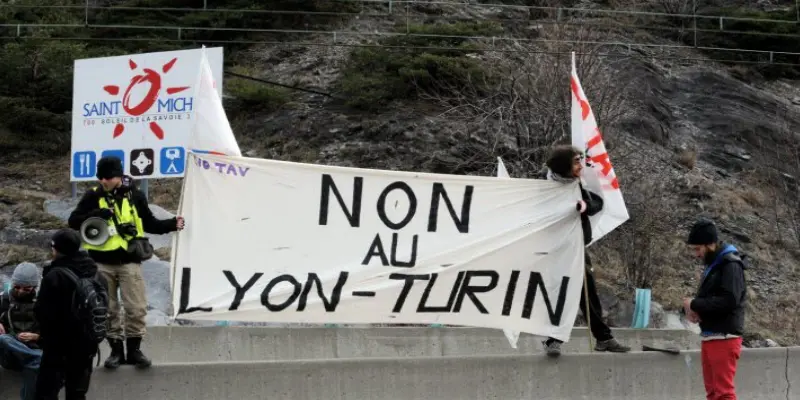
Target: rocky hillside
432 86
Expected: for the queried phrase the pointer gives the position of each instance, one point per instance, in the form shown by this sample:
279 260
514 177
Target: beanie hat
109 167
26 274
703 232
66 242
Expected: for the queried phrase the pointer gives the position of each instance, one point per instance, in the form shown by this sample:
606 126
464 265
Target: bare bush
641 244
676 6
520 106
648 250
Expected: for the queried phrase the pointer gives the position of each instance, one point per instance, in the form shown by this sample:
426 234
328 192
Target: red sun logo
149 77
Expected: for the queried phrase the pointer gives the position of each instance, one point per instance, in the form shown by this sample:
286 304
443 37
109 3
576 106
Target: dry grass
27 207
165 192
34 217
11 254
730 201
779 322
687 158
49 176
754 197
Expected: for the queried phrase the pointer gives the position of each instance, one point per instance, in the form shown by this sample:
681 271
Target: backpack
90 309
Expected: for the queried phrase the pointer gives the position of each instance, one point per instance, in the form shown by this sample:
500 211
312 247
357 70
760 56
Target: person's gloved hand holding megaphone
104 213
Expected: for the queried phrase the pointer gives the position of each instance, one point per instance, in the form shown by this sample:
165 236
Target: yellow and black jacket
130 206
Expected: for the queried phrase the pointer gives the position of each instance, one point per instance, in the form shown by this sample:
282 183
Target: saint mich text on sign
353 215
288 242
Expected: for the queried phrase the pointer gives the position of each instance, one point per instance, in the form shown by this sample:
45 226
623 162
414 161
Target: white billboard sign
138 108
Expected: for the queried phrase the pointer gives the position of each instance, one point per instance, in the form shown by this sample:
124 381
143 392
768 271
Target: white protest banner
512 336
211 131
272 241
599 176
138 108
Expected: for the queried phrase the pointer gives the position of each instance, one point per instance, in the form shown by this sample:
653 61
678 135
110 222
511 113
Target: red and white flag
598 175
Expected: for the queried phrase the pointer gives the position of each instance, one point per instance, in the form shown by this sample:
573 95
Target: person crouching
19 330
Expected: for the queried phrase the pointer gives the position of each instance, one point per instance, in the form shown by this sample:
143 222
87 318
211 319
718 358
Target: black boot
135 355
117 355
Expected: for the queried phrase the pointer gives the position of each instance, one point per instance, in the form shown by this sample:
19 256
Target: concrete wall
192 344
763 374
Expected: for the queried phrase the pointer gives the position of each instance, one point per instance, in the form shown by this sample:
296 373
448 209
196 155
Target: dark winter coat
59 329
594 204
17 317
722 296
89 207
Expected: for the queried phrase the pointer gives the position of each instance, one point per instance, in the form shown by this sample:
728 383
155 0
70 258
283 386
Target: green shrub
27 127
755 35
36 87
402 65
216 19
253 95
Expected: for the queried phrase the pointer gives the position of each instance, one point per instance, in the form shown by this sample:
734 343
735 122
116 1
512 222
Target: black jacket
18 317
89 206
594 204
722 296
53 309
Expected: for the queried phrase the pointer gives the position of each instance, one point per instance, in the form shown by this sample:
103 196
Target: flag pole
586 298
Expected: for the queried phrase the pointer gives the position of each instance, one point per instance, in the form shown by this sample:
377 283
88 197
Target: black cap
66 242
703 232
109 167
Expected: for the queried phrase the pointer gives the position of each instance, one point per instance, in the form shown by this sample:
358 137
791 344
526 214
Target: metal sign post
143 188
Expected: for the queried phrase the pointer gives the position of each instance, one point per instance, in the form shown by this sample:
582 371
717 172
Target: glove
104 213
127 229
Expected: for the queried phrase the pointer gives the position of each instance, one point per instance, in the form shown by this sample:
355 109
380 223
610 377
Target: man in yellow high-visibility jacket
117 200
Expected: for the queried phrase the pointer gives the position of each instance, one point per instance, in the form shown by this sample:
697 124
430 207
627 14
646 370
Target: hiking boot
552 349
135 355
117 355
611 345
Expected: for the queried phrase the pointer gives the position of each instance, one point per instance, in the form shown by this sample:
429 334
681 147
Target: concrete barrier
194 344
763 374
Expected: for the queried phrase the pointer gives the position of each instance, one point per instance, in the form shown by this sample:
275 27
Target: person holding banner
564 165
117 201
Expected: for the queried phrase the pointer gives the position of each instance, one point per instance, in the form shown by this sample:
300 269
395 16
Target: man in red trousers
719 308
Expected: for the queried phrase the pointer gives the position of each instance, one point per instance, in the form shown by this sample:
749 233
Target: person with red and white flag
602 208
